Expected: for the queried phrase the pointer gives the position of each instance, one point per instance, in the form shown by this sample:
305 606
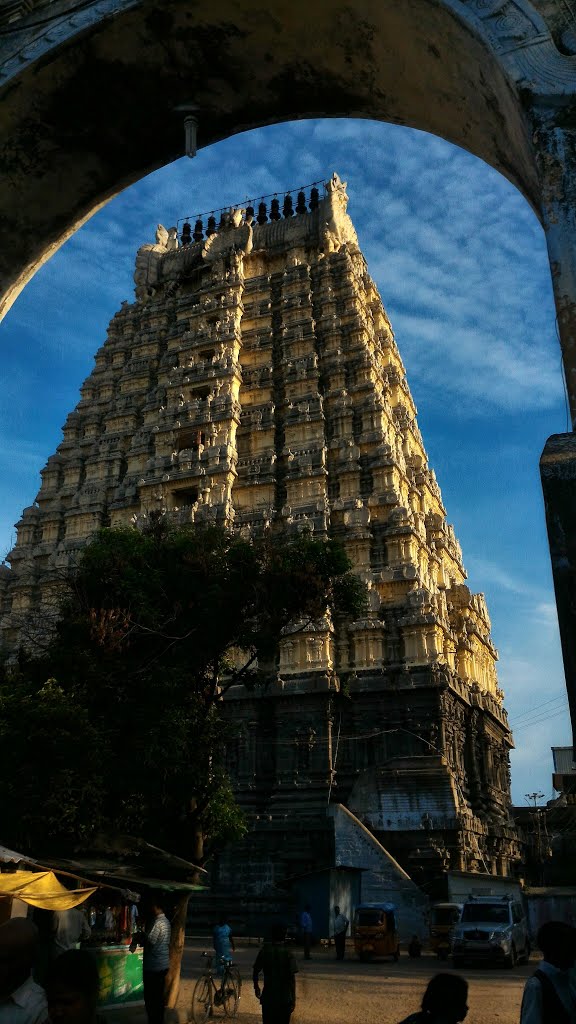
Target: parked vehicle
443 918
491 928
375 931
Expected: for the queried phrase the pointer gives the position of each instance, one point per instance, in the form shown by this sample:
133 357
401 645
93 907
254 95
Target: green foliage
131 738
52 763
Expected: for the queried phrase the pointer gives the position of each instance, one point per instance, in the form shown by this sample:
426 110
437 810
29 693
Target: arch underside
98 112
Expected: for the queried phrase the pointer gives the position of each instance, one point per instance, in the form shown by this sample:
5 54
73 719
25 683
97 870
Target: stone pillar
555 143
558 473
556 155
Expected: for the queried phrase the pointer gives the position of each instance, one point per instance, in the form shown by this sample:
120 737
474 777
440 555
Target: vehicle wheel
457 962
512 959
201 1008
230 994
364 957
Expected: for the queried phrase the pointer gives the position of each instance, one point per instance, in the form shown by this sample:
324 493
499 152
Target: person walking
277 964
550 994
341 923
444 1001
306 929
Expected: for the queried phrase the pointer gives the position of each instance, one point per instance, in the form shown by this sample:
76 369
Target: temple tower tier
256 382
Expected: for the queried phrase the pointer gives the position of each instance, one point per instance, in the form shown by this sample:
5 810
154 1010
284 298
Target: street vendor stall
139 871
110 918
112 882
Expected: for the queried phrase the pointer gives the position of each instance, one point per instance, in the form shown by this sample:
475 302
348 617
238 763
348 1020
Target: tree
118 726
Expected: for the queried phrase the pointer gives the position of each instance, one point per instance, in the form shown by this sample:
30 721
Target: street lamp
190 127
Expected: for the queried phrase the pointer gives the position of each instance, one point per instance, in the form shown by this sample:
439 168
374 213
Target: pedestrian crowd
69 994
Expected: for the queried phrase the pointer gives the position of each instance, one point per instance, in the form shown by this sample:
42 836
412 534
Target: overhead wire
542 719
536 708
563 376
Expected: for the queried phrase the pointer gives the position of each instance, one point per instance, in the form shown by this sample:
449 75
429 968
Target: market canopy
41 889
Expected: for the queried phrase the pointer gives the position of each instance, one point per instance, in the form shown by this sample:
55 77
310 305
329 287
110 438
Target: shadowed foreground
355 993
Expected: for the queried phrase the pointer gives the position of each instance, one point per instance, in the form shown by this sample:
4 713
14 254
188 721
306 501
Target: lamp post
537 815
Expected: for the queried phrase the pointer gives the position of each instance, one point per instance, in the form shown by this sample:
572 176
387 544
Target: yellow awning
41 889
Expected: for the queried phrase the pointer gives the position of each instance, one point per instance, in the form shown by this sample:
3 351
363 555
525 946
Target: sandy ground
355 993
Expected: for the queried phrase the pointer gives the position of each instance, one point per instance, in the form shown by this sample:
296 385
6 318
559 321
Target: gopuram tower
256 380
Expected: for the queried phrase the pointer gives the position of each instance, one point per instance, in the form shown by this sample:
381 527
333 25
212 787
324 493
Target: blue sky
460 262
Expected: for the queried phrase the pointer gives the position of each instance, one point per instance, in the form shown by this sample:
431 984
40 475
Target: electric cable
540 721
529 711
333 771
563 376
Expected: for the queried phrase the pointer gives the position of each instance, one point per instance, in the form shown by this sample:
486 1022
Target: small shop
114 919
110 917
108 894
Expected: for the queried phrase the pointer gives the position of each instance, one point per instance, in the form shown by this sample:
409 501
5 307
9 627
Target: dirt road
376 993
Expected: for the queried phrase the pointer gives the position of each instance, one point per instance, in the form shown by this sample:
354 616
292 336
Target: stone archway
91 108
89 95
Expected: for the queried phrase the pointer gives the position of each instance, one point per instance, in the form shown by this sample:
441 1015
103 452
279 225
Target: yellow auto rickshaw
443 918
374 930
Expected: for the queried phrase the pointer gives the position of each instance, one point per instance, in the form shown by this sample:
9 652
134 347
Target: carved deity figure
147 270
339 229
305 741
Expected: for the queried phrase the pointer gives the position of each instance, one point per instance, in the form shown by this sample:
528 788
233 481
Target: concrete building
256 380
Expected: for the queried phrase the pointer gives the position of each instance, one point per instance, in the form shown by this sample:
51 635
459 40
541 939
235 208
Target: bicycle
208 994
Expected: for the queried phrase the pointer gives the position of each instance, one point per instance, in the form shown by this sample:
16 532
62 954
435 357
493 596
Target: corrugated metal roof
11 857
563 759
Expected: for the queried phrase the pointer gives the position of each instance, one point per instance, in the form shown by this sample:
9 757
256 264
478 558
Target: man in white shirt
550 994
156 962
22 1001
340 928
70 928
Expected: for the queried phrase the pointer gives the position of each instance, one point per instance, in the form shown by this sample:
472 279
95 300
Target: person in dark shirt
444 1001
72 988
277 964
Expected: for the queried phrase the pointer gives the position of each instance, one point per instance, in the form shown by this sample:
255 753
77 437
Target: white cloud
488 573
